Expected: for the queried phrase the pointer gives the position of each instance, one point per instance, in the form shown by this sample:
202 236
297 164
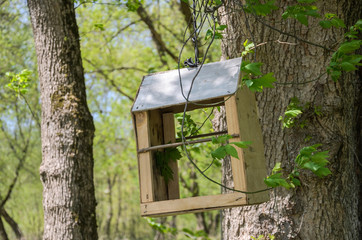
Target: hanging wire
196 33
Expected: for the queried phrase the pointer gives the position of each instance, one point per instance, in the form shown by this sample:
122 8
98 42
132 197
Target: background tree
67 125
321 208
19 129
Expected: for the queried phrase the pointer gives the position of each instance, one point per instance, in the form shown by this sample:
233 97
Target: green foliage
259 8
99 26
133 5
344 58
218 29
161 227
252 70
20 82
314 160
227 149
332 21
202 235
190 127
262 237
301 12
294 109
309 158
248 46
163 159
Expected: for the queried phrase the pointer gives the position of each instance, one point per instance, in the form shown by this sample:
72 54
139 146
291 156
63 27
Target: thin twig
170 145
110 80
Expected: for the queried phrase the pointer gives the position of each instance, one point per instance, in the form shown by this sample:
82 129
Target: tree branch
14 226
117 69
17 170
282 32
3 234
100 71
156 37
122 29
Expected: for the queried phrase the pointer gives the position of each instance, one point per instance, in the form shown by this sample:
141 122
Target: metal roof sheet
163 89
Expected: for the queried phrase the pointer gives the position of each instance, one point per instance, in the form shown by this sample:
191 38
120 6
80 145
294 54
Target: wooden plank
156 137
145 172
169 137
237 165
192 205
254 158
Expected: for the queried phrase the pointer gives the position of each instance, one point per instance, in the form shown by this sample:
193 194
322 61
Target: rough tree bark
321 208
67 126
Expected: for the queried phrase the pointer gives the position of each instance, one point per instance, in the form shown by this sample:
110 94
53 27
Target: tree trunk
67 126
321 208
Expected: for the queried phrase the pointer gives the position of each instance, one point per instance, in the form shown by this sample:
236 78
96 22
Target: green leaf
99 26
258 8
302 18
351 46
242 144
219 153
174 153
276 180
293 112
338 22
257 85
312 12
330 15
296 182
325 24
311 166
322 172
277 168
221 27
231 151
254 68
222 139
336 75
346 66
267 80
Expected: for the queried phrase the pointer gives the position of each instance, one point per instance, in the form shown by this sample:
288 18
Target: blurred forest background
119 45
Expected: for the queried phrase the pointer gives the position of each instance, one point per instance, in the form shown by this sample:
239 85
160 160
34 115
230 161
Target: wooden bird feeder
158 99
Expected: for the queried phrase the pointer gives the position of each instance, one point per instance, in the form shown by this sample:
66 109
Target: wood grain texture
145 172
192 205
169 134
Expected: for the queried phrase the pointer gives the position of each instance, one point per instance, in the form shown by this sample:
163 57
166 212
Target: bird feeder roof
161 90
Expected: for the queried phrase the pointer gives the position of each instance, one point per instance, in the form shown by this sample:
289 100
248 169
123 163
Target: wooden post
144 159
156 136
169 137
237 165
242 118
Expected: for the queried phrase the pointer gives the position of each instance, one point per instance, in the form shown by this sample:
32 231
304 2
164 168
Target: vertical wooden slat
144 159
156 137
237 165
169 137
242 112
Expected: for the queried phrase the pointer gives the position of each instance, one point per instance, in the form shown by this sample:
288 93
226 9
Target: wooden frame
156 127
